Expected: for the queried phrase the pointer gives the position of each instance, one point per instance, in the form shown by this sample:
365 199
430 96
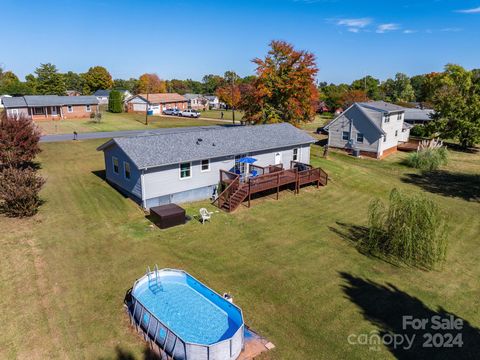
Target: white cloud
382 28
454 29
408 31
469 11
358 23
353 30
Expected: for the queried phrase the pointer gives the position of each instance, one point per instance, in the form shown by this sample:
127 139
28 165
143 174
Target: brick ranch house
51 107
156 102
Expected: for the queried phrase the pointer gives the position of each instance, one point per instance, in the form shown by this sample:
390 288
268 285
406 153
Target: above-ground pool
185 318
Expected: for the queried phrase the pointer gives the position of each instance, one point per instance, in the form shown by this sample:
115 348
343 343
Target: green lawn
288 263
227 114
117 122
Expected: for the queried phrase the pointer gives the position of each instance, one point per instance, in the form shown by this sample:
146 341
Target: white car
190 113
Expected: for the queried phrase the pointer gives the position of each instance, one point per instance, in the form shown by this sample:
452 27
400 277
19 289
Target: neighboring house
103 95
1 99
51 107
156 102
197 101
374 128
181 165
73 93
418 116
214 102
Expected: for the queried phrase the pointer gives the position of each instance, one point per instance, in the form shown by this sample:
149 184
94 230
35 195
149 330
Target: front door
278 158
54 111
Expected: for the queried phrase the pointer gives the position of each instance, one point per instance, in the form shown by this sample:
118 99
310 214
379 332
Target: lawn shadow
461 185
386 305
354 234
102 174
121 354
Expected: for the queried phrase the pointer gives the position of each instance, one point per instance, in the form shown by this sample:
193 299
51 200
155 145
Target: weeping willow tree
409 229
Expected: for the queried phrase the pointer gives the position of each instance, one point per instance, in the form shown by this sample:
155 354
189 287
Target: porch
237 188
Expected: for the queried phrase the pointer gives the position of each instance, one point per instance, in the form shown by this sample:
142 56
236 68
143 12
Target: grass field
290 264
118 122
129 121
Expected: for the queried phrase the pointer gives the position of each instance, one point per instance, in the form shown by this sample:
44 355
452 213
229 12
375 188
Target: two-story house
372 128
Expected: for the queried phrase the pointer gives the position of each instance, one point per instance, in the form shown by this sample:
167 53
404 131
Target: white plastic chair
205 215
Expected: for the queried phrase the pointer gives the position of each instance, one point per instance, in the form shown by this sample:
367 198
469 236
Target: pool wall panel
174 346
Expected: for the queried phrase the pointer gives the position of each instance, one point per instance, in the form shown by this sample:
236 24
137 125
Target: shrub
19 137
19 190
115 102
411 230
419 131
428 159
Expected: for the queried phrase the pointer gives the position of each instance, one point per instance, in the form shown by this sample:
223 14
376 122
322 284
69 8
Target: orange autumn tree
151 83
284 89
352 96
230 95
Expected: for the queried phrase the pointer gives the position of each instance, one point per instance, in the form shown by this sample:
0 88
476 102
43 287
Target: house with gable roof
373 128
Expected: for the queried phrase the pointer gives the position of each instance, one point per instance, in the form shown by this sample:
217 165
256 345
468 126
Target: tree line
48 80
284 89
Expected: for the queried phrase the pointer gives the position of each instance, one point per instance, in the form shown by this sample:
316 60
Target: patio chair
205 215
253 173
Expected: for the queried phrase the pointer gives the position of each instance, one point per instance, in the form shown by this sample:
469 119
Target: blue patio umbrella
246 160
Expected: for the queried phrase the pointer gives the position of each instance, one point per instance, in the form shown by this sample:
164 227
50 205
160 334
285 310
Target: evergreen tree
49 81
115 101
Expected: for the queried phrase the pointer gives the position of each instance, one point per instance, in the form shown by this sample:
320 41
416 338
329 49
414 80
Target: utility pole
233 107
146 106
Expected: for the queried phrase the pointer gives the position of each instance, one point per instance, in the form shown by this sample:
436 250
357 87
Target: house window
205 165
385 138
345 135
295 154
69 108
399 116
387 118
360 138
13 113
38 111
126 165
115 165
396 133
185 170
88 108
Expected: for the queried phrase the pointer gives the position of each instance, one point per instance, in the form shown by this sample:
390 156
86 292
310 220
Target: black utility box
166 216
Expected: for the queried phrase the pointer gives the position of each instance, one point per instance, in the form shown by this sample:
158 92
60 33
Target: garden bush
19 137
19 188
428 159
410 229
115 101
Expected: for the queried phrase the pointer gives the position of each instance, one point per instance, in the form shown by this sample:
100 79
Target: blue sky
187 39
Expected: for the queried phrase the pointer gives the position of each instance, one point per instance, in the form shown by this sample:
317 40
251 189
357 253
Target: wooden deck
236 190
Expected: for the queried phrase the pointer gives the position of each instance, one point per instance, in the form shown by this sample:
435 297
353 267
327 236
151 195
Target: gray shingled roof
418 114
183 146
381 106
48 100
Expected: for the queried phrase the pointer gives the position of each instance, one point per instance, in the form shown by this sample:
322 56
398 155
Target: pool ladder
154 284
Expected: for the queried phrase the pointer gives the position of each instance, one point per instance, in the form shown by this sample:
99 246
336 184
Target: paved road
110 134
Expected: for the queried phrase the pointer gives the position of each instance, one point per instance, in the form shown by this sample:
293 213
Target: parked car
190 113
174 112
